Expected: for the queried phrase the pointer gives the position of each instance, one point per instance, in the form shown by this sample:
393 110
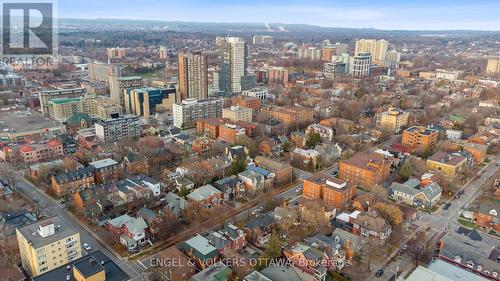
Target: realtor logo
28 33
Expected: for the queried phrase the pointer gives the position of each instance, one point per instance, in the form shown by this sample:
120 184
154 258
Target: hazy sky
383 14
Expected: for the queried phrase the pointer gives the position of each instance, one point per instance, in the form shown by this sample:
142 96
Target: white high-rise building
361 64
392 59
378 48
189 110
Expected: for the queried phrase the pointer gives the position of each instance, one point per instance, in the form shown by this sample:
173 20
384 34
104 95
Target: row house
228 238
106 170
72 181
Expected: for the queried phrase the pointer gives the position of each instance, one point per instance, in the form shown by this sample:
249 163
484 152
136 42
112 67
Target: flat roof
103 163
24 120
112 270
30 232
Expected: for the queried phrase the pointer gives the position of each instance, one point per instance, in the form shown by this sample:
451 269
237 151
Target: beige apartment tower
378 49
493 67
47 244
193 76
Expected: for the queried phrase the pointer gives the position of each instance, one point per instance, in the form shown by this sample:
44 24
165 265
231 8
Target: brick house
206 195
72 181
486 213
106 170
129 231
283 171
371 224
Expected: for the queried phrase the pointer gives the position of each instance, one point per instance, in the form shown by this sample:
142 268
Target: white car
297 190
86 246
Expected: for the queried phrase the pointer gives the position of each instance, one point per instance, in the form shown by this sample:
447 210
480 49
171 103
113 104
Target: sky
380 14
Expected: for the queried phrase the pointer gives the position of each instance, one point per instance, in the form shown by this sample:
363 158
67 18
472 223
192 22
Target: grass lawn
466 223
335 276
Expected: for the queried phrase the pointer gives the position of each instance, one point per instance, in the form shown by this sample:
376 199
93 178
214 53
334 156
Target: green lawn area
145 75
335 276
466 223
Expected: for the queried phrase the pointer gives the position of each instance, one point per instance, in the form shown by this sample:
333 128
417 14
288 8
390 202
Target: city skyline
386 15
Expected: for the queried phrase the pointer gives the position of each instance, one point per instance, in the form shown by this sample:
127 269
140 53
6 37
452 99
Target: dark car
460 192
379 272
447 206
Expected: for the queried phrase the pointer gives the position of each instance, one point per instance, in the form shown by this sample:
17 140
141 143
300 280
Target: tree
287 146
313 139
379 191
390 212
287 218
273 247
70 164
406 170
249 143
313 216
237 166
183 191
168 225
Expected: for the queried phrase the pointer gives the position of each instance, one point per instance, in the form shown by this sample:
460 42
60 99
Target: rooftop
24 120
64 100
86 265
447 158
99 164
421 130
31 234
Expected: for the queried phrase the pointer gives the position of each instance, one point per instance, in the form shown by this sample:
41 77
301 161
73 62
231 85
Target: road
54 208
444 220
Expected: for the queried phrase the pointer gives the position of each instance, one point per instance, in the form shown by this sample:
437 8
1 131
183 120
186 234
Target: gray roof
203 192
30 232
74 175
285 273
134 225
112 270
99 164
412 187
175 203
482 252
256 276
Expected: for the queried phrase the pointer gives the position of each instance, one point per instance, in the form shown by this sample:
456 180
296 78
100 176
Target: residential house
486 212
370 224
326 133
450 164
175 204
283 171
258 229
143 181
215 272
468 249
72 181
131 191
180 270
307 157
309 259
252 180
413 193
232 187
202 146
207 195
153 221
181 183
32 153
276 272
228 238
129 231
136 163
199 249
268 175
106 170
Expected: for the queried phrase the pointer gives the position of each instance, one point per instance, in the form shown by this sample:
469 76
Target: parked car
379 272
86 246
447 206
